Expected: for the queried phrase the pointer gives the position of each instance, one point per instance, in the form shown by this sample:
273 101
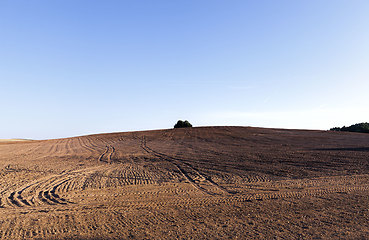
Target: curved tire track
194 177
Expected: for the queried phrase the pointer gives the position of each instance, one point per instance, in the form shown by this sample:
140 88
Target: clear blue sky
76 67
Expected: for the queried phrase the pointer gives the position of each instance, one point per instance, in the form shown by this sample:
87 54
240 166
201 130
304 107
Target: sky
77 67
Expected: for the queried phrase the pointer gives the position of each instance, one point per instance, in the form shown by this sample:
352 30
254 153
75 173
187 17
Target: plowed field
194 183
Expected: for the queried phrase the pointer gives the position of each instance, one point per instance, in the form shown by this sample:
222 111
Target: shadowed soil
193 183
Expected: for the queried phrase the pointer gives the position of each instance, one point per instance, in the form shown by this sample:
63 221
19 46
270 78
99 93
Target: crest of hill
231 130
200 132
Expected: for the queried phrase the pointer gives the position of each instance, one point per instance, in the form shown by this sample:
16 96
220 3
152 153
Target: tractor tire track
44 190
106 156
197 179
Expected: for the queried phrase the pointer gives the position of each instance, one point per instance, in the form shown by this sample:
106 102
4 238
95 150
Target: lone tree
182 124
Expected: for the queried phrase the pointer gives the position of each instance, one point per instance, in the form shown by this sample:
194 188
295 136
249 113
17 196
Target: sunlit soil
195 183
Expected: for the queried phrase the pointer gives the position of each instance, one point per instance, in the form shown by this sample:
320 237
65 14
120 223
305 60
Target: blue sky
71 68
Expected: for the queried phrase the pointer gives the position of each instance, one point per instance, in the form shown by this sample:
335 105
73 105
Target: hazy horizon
71 68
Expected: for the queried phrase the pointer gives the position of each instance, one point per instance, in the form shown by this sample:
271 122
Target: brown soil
195 183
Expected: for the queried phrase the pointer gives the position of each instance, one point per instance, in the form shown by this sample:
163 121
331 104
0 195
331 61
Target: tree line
359 127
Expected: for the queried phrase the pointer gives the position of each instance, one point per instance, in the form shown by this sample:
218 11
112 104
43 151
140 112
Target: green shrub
359 127
182 124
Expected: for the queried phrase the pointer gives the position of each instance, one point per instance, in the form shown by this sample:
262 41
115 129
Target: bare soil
194 183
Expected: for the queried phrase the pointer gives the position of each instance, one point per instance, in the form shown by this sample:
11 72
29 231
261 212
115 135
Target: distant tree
182 124
359 127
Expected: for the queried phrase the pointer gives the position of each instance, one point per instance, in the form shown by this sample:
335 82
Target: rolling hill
203 183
